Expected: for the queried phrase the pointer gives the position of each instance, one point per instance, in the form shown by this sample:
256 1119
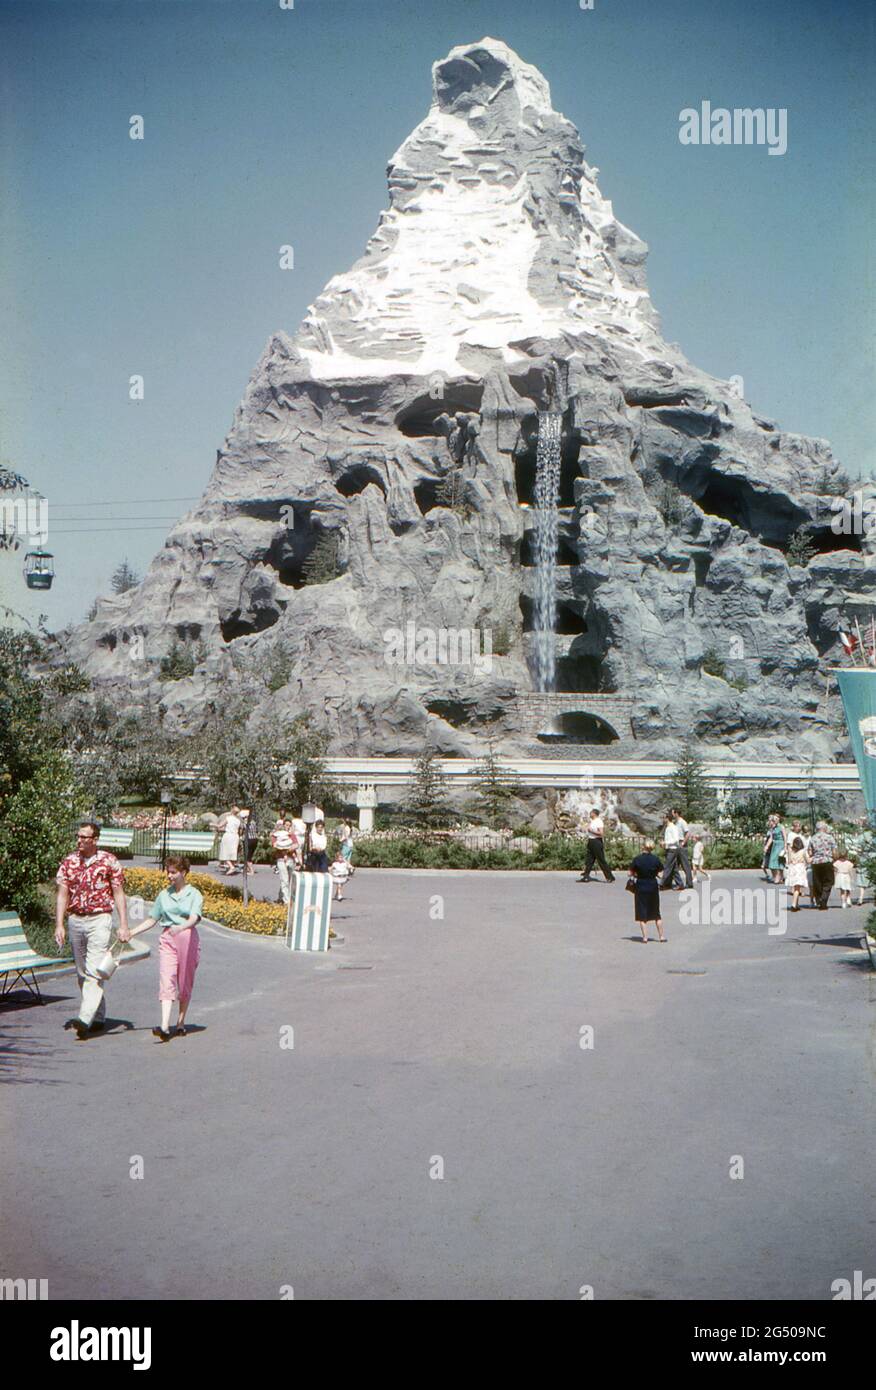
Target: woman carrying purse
645 884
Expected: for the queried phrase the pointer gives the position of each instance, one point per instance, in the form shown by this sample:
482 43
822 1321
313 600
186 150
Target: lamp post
308 815
810 793
166 798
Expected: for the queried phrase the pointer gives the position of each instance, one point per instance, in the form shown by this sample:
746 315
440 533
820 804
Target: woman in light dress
797 879
776 841
345 833
229 845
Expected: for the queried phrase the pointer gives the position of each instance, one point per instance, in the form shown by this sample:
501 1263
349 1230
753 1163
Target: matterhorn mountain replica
478 495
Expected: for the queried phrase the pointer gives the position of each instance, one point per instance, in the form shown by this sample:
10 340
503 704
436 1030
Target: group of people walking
293 848
90 884
802 863
811 864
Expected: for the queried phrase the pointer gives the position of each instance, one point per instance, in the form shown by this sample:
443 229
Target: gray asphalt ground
418 1039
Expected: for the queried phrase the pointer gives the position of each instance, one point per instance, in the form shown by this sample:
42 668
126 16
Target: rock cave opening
417 420
570 623
237 626
356 477
825 540
426 494
582 673
289 552
702 565
578 726
769 517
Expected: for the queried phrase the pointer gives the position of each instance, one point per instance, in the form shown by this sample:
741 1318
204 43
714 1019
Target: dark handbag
630 885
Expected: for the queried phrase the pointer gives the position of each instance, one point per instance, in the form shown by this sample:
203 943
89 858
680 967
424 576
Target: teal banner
858 689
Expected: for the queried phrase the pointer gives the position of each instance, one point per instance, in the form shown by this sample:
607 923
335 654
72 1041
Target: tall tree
39 793
426 801
124 578
496 786
687 787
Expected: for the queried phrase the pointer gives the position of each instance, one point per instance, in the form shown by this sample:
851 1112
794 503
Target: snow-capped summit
496 232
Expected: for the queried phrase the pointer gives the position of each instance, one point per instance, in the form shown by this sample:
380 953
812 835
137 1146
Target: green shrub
35 834
178 664
734 854
557 852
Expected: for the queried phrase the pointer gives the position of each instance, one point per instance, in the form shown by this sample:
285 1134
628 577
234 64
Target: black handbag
630 885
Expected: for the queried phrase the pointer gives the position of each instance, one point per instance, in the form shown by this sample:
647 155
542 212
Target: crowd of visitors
811 864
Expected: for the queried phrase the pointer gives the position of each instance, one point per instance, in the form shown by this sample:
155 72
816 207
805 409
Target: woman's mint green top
172 909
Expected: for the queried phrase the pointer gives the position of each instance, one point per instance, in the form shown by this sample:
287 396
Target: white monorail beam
615 773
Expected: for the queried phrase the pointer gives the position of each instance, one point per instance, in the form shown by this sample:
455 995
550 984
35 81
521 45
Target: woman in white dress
796 861
230 825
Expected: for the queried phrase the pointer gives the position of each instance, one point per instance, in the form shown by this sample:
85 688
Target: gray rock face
388 449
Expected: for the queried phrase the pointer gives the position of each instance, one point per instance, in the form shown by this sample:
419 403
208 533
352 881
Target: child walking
340 872
796 880
698 859
844 875
177 910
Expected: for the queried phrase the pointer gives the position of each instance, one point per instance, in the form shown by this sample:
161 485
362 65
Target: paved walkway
445 1030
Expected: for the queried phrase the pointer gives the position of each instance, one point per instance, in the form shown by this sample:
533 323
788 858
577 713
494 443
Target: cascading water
547 493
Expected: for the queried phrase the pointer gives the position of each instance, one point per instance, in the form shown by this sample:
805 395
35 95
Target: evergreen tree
124 578
496 786
800 548
323 563
687 788
426 800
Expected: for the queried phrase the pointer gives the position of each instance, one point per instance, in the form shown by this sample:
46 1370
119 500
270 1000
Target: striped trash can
310 912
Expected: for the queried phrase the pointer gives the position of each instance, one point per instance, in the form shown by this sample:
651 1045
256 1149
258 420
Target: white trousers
89 938
283 871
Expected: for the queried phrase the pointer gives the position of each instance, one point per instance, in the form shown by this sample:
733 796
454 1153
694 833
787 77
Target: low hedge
550 852
222 902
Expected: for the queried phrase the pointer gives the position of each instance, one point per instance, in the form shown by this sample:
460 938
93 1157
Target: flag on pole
858 689
849 642
310 911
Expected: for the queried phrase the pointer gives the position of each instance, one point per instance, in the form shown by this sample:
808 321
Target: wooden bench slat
28 961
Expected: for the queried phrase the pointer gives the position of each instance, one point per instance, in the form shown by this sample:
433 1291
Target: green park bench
19 959
188 842
115 839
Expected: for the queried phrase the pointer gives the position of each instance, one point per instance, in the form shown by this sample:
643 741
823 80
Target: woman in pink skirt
177 910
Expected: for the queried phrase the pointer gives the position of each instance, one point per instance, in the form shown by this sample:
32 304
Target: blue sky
267 126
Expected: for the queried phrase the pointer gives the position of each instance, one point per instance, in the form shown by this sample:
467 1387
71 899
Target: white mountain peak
496 233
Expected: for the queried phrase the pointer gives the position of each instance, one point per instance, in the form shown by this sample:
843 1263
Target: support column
366 800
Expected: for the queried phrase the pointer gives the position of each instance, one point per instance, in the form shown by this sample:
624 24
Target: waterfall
547 493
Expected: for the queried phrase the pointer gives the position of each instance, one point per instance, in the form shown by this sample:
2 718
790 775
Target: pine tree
687 789
496 786
323 563
800 548
426 801
124 578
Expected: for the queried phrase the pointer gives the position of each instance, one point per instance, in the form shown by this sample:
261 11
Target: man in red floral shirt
89 882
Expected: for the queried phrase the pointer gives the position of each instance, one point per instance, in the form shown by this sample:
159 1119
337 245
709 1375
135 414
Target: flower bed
222 902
